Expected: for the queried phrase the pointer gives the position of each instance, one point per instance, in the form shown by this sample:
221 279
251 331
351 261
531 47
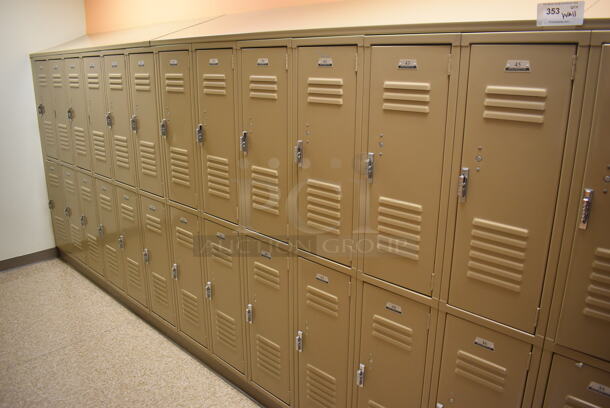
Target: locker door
514 132
131 244
394 338
187 270
481 368
586 303
55 189
177 126
407 119
109 226
78 113
265 95
92 241
216 115
117 119
268 313
96 107
60 102
323 330
44 106
145 123
72 213
575 385
326 128
160 282
224 280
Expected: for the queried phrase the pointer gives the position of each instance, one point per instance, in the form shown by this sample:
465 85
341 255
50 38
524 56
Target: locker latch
133 122
67 211
298 153
146 255
174 271
440 405
249 313
70 113
163 127
243 141
370 166
360 376
83 220
51 204
208 290
100 230
40 109
299 341
585 212
463 184
121 241
108 117
199 133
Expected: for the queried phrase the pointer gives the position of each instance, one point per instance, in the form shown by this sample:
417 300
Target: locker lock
585 212
108 117
360 376
199 133
370 166
100 230
40 109
146 255
121 241
243 141
70 113
298 153
249 313
463 184
67 211
299 341
208 290
51 204
133 122
163 127
174 271
83 220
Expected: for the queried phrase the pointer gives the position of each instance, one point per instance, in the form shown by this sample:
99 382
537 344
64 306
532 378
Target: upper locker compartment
586 302
117 119
64 145
325 149
407 121
215 129
176 126
77 112
517 105
264 79
96 108
144 122
44 107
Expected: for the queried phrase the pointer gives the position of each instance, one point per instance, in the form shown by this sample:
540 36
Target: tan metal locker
326 133
93 246
586 303
117 119
101 148
223 290
390 370
145 122
109 229
65 144
77 112
215 129
268 316
44 106
518 99
187 270
177 126
480 367
130 244
407 120
157 259
322 336
264 79
72 213
573 384
55 190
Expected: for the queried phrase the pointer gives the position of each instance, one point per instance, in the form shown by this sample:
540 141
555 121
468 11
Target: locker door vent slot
406 96
112 261
74 80
218 177
174 82
93 81
53 180
80 142
93 249
148 158
179 166
321 387
49 132
575 402
497 254
480 371
42 80
128 212
324 206
60 227
268 356
226 330
221 254
185 238
62 136
325 90
597 302
153 224
133 274
399 227
322 301
105 202
86 193
121 151
159 290
265 190
214 84
266 275
99 145
75 234
392 333
141 81
190 308
263 86
515 103
69 186
57 82
115 81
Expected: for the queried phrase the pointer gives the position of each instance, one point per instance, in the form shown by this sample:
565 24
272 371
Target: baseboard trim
28 258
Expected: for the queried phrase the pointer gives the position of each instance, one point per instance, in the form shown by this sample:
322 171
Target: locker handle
108 117
370 166
360 376
199 133
208 290
40 109
51 204
67 211
100 230
121 241
133 122
463 184
299 341
249 313
70 113
163 127
174 271
83 220
298 153
585 212
146 255
243 141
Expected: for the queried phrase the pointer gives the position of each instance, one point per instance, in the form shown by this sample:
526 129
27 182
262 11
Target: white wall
27 26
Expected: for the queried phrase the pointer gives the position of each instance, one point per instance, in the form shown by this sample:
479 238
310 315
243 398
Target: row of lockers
235 297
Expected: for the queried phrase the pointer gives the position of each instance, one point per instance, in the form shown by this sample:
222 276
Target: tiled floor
66 343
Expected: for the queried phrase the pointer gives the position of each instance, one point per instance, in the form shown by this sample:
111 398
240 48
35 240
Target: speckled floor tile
65 343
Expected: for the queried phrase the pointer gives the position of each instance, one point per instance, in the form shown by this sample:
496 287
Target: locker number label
489 345
321 278
262 62
407 63
266 254
141 63
600 388
518 66
393 308
569 13
213 62
325 62
173 62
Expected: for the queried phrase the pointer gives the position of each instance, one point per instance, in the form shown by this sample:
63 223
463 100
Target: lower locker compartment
109 230
480 367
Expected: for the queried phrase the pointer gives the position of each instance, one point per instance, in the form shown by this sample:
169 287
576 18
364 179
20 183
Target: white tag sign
489 345
407 63
571 13
262 62
393 308
322 278
213 61
600 388
325 62
517 66
173 62
141 63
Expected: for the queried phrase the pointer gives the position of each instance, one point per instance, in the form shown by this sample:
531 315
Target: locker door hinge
449 61
536 317
40 109
370 166
133 122
360 376
233 61
122 241
286 58
249 313
429 319
356 63
208 290
83 220
299 341
463 184
163 127
174 272
529 361
298 153
108 117
70 113
67 211
573 67
243 141
100 230
585 211
146 255
51 204
199 133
